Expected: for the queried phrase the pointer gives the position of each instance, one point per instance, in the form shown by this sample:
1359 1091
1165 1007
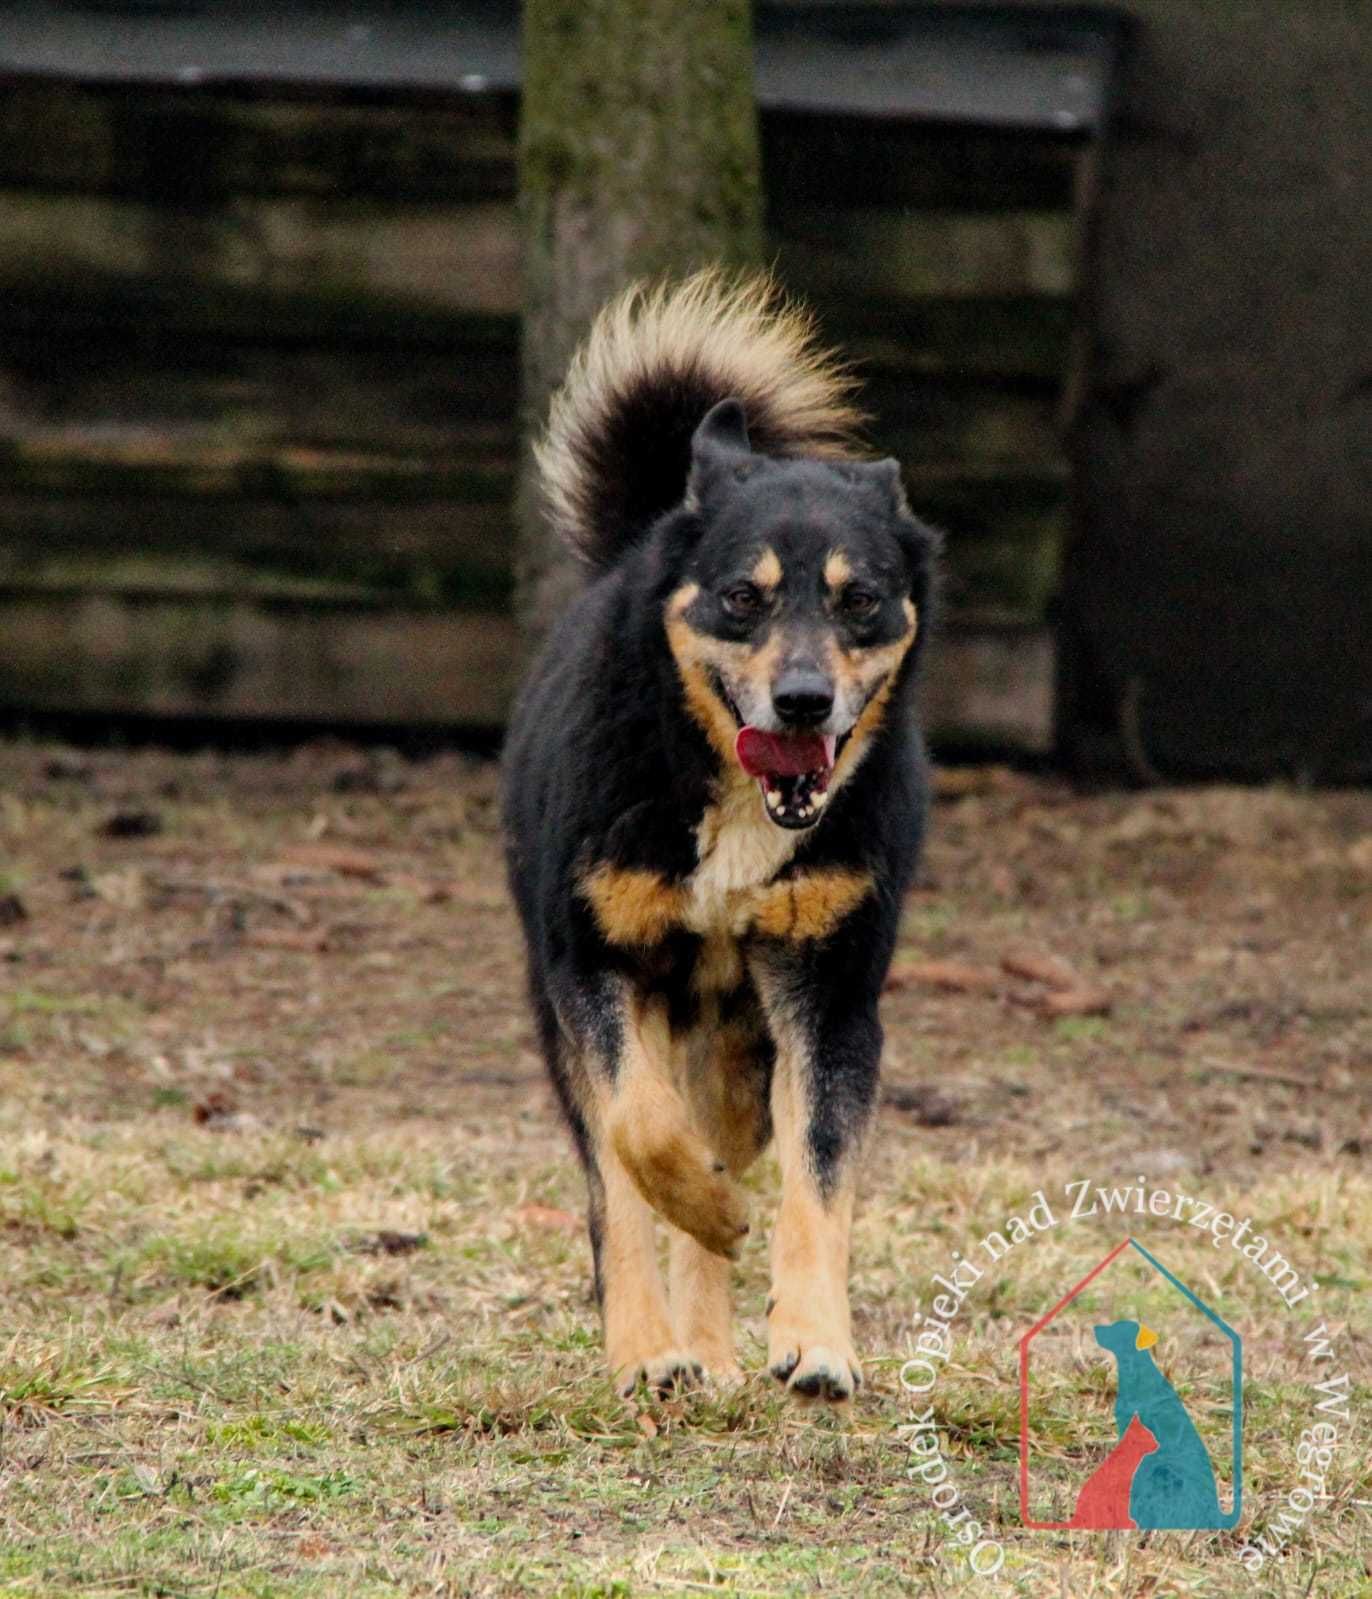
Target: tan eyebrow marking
767 571
837 570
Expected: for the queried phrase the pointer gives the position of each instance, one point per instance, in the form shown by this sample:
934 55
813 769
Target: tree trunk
638 157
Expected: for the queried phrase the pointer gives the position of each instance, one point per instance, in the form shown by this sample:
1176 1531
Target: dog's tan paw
664 1374
717 1216
683 1182
817 1371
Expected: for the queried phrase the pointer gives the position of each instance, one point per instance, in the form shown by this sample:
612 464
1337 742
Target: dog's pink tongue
782 754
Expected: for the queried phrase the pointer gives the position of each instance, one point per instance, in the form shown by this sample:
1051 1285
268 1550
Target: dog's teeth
821 798
774 796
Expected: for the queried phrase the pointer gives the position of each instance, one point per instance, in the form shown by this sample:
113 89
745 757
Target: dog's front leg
651 1131
823 1092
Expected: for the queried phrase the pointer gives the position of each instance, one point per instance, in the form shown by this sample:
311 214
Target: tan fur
810 905
753 344
639 1337
650 1129
808 1324
747 668
767 572
739 850
719 965
724 1101
867 668
702 1314
693 656
632 907
837 570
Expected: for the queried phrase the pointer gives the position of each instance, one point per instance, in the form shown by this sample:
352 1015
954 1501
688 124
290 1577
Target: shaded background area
259 290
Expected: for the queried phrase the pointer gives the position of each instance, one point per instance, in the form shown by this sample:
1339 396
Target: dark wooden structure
258 301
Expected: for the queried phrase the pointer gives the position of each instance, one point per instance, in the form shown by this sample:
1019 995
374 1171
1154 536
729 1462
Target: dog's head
797 608
1119 1337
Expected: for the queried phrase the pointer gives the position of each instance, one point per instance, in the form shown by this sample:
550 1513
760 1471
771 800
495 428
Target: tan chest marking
739 851
632 906
811 906
730 894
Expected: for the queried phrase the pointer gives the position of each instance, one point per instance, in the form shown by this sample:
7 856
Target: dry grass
288 1305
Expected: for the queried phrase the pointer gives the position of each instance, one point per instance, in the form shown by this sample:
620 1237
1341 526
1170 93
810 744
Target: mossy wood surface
267 355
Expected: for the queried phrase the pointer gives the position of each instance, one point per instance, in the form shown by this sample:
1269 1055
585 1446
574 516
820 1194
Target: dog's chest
739 851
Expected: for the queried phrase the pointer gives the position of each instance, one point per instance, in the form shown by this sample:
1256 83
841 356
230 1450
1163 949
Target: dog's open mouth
792 770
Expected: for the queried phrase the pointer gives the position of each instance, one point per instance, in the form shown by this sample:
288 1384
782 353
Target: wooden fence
258 384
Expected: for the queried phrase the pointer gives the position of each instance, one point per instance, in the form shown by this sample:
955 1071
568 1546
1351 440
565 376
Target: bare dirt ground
295 1294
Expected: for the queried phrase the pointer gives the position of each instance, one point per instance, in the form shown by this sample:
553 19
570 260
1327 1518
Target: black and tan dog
714 800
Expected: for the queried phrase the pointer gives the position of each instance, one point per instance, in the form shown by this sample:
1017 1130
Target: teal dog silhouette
1175 1486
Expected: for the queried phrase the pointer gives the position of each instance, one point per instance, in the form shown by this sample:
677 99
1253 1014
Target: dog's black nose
803 695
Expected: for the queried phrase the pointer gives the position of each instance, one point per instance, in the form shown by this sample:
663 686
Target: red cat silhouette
1104 1497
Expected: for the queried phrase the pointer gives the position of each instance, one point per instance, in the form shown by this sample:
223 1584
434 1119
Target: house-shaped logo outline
1232 1517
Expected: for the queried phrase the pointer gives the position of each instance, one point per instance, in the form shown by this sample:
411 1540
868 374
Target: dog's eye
743 600
858 603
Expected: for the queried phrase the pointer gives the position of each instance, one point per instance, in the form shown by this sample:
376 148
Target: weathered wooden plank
809 159
991 687
157 461
193 148
445 257
923 421
426 527
866 253
237 657
232 658
1015 337
153 315
439 552
158 465
78 314
1010 572
1005 559
457 398
466 257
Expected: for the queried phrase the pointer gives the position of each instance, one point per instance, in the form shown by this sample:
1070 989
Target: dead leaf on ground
309 941
131 824
388 1242
67 768
1360 854
547 1216
126 890
334 858
1040 967
425 889
646 1425
957 782
929 1106
216 1113
1075 1002
958 976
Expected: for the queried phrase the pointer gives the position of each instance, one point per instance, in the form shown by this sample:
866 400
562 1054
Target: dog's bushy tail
617 447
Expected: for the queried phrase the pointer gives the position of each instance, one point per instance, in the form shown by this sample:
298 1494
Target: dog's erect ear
718 445
920 542
885 476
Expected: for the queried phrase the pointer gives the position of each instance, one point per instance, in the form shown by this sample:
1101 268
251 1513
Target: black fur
606 764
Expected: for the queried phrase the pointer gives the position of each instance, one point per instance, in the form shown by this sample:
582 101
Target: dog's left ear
719 446
920 542
885 476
